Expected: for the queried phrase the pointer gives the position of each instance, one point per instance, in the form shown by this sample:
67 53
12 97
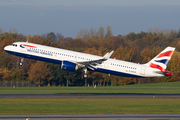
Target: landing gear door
143 70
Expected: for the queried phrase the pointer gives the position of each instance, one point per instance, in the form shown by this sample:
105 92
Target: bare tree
100 32
59 37
108 32
1 31
51 36
92 33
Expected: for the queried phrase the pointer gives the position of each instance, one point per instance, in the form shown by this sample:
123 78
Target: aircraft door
143 70
106 64
23 49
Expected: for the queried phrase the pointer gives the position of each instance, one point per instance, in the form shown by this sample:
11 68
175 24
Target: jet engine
70 66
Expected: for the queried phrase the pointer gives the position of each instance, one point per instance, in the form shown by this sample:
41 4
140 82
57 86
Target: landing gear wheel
85 72
85 75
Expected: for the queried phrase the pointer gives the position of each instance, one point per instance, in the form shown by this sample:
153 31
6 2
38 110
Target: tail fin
162 59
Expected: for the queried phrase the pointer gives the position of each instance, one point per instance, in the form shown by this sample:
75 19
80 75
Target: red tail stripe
28 45
156 66
168 53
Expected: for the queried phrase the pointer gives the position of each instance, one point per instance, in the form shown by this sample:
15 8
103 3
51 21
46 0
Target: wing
91 64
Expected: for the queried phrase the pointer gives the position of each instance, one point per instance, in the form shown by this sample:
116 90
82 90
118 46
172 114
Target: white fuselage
57 55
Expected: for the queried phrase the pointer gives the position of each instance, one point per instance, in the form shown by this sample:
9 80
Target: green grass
158 88
90 106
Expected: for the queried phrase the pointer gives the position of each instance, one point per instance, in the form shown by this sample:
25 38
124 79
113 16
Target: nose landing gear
85 72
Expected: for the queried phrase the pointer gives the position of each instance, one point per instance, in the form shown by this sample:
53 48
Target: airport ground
94 117
156 88
89 106
117 106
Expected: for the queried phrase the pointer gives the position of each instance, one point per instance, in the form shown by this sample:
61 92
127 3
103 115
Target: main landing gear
85 72
22 60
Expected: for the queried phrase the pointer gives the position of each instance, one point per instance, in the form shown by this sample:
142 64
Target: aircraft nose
6 48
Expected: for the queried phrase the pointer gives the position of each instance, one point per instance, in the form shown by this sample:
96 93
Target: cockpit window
14 45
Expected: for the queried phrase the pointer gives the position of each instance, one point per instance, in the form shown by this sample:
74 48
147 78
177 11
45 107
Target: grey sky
37 17
91 2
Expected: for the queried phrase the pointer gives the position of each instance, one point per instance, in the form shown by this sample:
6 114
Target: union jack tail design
162 59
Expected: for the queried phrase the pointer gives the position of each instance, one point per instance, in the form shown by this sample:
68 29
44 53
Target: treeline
138 48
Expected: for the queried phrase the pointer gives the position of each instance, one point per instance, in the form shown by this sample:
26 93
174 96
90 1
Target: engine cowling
66 65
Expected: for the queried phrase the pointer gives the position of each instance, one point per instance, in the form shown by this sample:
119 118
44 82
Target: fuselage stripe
29 46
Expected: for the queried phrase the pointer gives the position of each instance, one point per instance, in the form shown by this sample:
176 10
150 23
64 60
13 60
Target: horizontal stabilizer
165 73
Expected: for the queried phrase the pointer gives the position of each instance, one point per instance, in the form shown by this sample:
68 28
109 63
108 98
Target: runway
94 117
93 95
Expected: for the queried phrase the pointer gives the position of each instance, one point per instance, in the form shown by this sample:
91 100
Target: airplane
72 60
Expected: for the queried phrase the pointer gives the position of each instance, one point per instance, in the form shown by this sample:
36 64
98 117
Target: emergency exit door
143 70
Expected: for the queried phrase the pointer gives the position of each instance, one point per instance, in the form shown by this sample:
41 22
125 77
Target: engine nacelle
66 65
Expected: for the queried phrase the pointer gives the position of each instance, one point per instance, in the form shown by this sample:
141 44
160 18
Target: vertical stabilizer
162 59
